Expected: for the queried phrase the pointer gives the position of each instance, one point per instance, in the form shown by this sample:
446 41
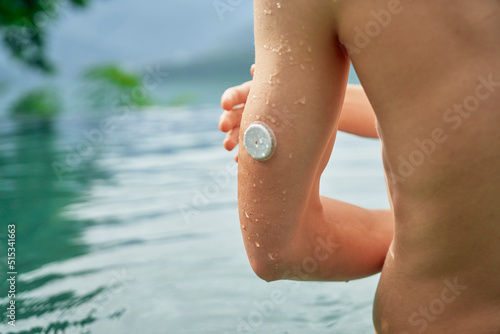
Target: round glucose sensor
260 141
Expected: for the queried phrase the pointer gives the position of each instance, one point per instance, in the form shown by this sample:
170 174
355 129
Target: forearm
337 242
363 238
357 115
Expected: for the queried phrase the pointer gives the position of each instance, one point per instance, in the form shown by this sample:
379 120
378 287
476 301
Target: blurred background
112 170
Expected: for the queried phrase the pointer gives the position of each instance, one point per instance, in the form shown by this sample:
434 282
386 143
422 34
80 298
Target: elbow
266 275
267 270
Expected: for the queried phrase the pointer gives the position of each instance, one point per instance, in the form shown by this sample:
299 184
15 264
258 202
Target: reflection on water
32 198
109 248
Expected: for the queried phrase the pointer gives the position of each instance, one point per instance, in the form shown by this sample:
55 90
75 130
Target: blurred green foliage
183 99
24 25
113 75
110 85
44 103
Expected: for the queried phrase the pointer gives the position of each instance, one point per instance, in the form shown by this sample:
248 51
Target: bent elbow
266 270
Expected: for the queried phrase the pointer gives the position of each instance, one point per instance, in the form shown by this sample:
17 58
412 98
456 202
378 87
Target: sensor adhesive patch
260 141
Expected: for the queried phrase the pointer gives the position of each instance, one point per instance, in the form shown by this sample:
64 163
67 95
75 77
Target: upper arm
298 90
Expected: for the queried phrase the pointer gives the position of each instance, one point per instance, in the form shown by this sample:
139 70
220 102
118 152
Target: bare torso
431 70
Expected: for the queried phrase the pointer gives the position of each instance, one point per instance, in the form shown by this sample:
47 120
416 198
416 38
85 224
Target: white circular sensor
260 141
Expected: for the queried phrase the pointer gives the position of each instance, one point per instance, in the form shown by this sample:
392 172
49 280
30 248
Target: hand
233 102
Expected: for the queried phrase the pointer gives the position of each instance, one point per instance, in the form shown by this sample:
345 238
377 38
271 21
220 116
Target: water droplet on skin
243 227
258 116
268 12
302 67
256 219
278 5
257 234
254 185
290 156
309 49
255 200
246 214
273 105
291 58
284 192
257 244
302 100
271 256
261 182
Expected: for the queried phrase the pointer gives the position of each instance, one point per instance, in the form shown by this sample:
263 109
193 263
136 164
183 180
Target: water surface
140 232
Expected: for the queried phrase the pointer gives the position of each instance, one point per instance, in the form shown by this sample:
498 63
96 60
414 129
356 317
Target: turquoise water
139 232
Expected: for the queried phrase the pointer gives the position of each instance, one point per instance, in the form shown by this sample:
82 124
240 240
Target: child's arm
289 230
357 116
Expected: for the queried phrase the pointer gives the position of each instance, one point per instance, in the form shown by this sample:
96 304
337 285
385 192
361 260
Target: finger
252 70
232 139
230 119
235 95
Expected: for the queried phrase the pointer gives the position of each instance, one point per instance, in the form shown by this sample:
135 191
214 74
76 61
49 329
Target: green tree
23 27
106 84
44 103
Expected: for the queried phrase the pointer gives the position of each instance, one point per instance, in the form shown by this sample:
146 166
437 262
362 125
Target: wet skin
431 72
